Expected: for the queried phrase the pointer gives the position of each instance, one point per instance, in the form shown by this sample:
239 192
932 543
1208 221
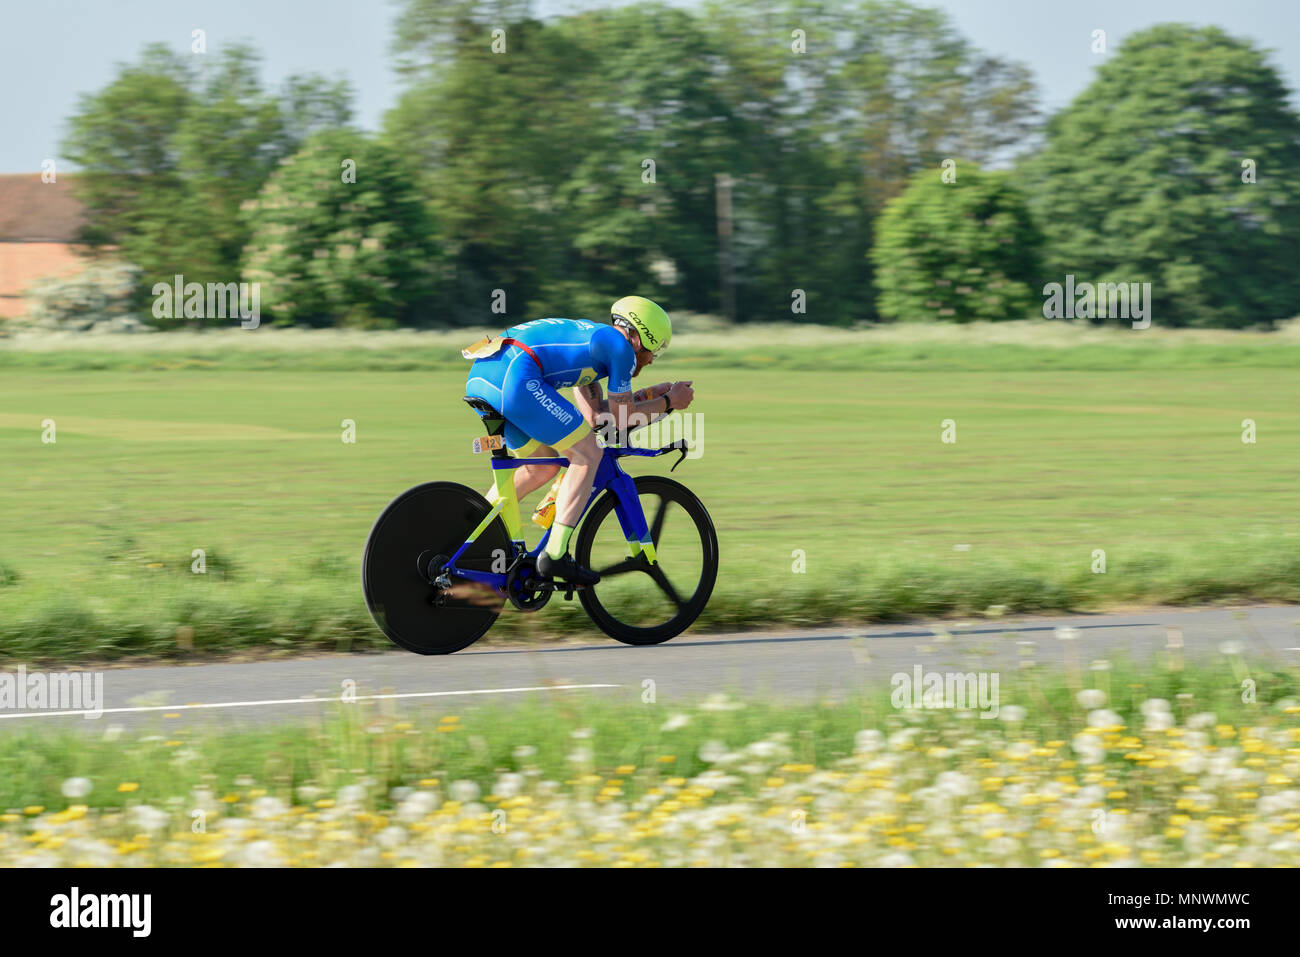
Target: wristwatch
668 404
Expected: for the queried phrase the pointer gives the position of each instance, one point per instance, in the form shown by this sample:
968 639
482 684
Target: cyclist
521 379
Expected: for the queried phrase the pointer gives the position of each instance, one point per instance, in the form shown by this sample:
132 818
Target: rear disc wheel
409 542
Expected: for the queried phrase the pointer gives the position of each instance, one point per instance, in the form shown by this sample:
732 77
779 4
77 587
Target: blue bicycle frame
609 475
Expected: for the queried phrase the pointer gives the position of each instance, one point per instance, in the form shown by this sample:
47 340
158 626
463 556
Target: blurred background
717 156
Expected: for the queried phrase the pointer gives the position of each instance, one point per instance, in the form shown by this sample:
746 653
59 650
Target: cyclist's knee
585 451
544 452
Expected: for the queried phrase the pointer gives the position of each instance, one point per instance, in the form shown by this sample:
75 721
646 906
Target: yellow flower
129 786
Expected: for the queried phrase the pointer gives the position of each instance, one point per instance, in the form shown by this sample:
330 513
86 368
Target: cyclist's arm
651 392
591 402
595 408
637 414
623 412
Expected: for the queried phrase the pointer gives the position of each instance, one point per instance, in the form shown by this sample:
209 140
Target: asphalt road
785 664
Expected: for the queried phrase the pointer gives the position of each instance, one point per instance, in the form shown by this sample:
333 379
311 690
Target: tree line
779 160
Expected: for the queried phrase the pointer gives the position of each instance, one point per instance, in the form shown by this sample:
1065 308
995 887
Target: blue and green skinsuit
572 352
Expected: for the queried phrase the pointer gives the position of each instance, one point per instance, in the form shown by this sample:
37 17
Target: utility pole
726 282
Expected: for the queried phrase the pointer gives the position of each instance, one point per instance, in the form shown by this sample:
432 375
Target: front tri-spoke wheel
637 602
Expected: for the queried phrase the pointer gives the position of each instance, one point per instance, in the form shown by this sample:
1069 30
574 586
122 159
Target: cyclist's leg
527 478
575 488
485 381
548 418
584 456
530 477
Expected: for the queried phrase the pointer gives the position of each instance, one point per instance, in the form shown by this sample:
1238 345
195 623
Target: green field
833 448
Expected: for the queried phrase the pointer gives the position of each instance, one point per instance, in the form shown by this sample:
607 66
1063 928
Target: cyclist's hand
681 394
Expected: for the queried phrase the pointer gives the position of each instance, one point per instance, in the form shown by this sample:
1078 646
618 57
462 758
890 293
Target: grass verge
1165 765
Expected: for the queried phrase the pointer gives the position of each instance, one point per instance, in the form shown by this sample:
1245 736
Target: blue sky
52 50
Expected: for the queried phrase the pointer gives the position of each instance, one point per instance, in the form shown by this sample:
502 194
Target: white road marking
254 704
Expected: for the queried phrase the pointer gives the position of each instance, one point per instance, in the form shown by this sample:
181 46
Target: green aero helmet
647 318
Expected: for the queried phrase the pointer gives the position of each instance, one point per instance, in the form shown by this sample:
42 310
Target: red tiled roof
33 211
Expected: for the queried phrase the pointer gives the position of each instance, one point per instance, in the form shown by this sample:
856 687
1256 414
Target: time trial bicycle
440 562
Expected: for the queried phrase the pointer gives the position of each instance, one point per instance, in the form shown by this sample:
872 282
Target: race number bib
482 349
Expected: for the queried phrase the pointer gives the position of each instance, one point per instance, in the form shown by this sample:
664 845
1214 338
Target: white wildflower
464 791
1090 699
675 722
76 787
868 741
711 752
1104 718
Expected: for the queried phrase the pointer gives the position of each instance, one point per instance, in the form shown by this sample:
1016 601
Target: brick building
39 226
